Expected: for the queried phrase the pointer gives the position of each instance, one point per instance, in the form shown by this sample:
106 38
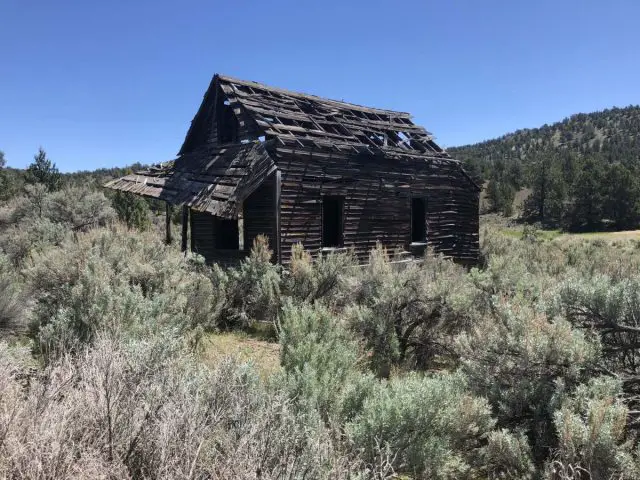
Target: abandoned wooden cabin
300 168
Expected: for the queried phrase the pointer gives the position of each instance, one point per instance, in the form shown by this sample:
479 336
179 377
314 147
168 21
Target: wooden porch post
167 215
185 226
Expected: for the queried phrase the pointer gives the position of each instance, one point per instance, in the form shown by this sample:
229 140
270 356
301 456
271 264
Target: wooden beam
185 227
278 180
167 220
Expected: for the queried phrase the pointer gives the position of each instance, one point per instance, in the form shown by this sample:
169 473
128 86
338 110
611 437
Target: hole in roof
244 142
393 139
227 102
378 138
261 138
403 137
306 107
329 128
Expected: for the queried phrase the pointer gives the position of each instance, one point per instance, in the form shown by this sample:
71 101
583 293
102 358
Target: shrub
591 435
253 289
149 410
79 208
320 360
207 301
507 456
432 427
30 236
13 302
132 210
409 315
42 218
609 308
114 281
524 364
323 278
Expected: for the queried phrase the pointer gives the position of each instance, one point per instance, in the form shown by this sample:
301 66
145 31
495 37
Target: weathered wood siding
377 202
203 240
204 126
259 213
202 233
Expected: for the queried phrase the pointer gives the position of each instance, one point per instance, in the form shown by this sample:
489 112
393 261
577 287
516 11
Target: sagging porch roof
214 179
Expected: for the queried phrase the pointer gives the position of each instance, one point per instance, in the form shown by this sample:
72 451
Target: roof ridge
251 83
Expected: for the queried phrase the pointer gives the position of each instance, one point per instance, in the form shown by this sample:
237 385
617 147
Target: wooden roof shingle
316 122
214 179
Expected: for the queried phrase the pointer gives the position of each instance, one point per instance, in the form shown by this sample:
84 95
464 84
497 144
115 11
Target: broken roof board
213 180
315 122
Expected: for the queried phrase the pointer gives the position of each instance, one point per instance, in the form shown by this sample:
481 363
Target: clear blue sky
102 84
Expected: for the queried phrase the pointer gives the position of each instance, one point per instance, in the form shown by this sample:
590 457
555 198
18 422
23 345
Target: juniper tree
44 171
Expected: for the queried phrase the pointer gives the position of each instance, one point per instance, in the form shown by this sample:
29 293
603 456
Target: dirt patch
264 355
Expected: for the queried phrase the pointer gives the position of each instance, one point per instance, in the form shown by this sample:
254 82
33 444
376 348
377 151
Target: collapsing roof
215 178
315 122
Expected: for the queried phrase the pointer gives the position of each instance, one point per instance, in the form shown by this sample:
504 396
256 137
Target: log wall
377 202
259 215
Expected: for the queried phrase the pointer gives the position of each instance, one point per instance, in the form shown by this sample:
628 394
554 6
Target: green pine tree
131 209
546 202
588 197
44 171
622 197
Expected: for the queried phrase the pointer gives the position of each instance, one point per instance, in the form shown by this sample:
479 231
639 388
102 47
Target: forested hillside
583 170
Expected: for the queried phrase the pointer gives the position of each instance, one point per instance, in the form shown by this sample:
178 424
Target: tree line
569 191
582 173
133 210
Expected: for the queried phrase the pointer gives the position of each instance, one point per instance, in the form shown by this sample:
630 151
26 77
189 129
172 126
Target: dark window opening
418 220
332 223
226 234
227 124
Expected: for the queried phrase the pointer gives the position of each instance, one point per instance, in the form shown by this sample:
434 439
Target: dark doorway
226 234
418 220
332 209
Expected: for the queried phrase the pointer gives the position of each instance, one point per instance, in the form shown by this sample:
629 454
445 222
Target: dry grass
264 355
510 229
